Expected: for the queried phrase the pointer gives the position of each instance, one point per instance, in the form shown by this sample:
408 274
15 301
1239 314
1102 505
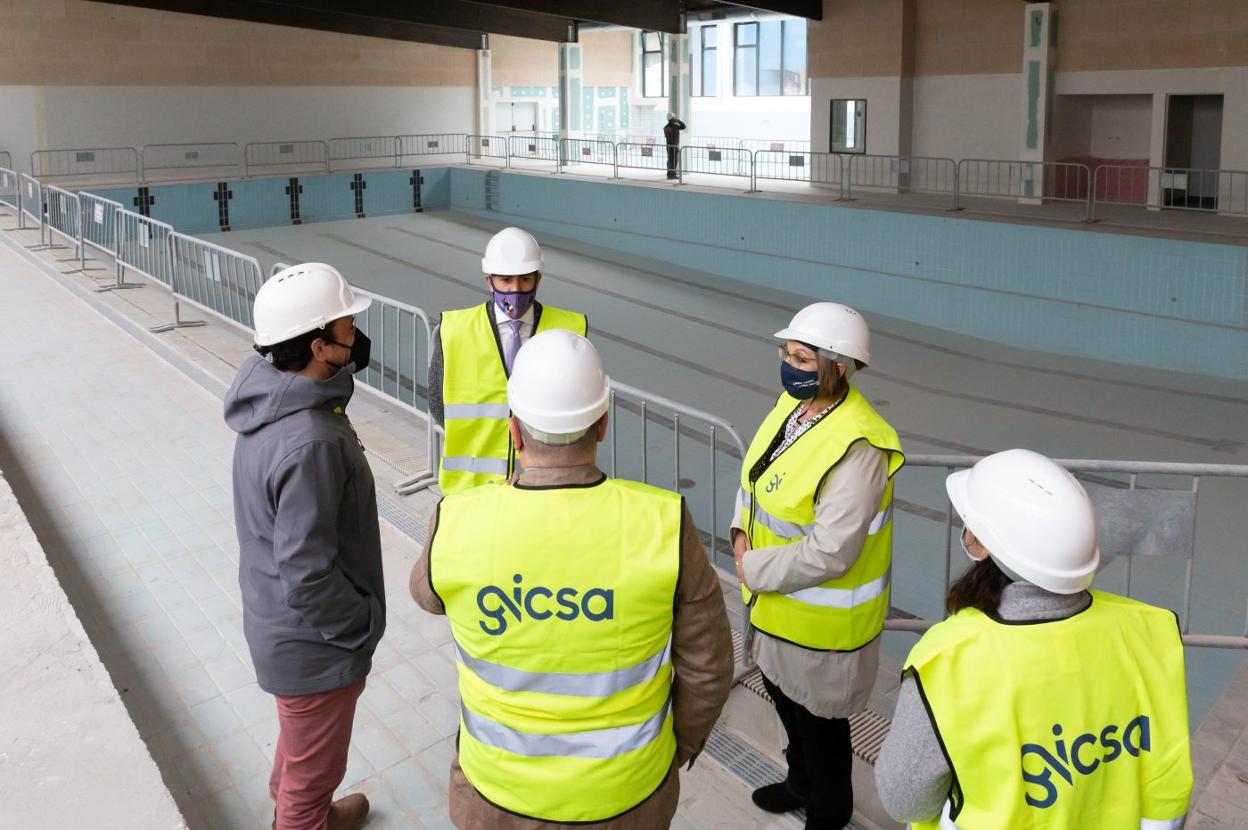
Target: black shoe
777 798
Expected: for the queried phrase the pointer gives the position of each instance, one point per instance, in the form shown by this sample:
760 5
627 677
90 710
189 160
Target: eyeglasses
798 361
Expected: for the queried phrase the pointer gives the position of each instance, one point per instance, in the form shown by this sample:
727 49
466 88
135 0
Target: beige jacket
701 661
830 684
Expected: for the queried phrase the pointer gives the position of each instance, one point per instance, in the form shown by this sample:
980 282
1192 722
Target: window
849 126
653 67
769 58
703 47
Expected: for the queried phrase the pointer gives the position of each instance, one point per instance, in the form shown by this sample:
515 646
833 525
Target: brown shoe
347 813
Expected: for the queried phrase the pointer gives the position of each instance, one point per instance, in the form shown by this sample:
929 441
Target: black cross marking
358 184
416 181
144 201
222 197
293 190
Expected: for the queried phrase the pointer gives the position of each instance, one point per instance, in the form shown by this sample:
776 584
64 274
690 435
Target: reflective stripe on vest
474 384
1066 724
848 611
561 605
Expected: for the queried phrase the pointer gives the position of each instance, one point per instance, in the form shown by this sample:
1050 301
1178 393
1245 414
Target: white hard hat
671 116
557 385
832 328
1032 516
302 298
511 252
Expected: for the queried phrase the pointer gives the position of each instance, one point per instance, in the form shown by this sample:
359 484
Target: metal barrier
1171 188
215 279
30 202
189 162
1153 522
799 166
99 231
284 157
64 217
715 161
902 174
432 144
365 151
118 165
9 183
783 145
1054 181
486 146
6 160
640 156
526 133
144 245
588 151
533 148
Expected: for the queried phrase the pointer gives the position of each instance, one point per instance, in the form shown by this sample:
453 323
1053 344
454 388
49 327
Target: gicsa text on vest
1085 754
541 603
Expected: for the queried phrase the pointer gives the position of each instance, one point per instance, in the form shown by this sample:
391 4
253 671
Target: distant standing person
671 134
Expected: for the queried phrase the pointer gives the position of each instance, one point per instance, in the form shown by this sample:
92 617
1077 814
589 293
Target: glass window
705 59
695 65
849 126
796 81
769 54
653 67
745 64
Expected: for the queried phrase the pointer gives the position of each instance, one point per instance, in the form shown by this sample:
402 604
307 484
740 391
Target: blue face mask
799 384
513 303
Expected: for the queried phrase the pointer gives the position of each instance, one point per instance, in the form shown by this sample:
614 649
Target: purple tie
513 345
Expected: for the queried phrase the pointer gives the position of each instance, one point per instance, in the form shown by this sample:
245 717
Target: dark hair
293 354
979 587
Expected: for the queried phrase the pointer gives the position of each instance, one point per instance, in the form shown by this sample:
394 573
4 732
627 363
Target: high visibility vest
561 606
1073 723
478 446
847 612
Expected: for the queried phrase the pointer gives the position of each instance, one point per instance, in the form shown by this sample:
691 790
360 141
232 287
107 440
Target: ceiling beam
651 15
352 24
453 14
811 9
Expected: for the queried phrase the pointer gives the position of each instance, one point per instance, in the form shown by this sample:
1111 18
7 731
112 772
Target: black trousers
820 760
673 160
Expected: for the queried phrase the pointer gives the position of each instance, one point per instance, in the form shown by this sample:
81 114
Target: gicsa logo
1084 755
540 603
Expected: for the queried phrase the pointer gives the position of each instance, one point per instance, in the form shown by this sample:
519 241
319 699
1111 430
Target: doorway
516 117
1193 152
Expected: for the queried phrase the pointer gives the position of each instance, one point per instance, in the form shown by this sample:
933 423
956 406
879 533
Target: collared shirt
504 331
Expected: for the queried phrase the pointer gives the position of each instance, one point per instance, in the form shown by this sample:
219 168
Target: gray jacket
305 508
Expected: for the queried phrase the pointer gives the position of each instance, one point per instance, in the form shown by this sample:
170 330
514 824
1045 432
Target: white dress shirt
504 331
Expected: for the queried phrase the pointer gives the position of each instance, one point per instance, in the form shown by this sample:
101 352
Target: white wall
52 117
1120 126
883 96
966 116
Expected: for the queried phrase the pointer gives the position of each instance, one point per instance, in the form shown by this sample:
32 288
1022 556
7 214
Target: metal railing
528 133
364 151
145 246
432 144
283 157
1171 188
6 159
799 166
640 156
773 145
715 161
99 231
9 183
1153 522
486 147
901 174
64 217
588 151
30 202
189 162
99 164
1042 181
215 279
533 148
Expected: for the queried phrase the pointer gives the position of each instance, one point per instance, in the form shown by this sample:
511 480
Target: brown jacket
701 662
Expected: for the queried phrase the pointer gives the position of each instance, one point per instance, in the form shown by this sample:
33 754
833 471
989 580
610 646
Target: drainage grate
393 512
744 761
867 729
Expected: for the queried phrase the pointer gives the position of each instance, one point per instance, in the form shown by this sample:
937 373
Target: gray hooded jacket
305 508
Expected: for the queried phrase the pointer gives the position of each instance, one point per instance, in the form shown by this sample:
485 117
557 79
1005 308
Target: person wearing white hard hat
671 135
473 357
812 538
305 509
589 628
1039 702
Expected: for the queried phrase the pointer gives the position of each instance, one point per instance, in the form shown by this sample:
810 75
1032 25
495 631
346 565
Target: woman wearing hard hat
1039 703
813 540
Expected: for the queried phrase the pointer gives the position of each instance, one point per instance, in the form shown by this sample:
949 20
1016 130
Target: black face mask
361 351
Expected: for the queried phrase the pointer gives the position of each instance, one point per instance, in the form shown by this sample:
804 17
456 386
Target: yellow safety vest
847 612
561 606
1065 724
478 446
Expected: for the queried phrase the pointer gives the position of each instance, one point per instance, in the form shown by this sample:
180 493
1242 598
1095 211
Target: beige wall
73 42
858 38
968 37
608 58
1151 34
520 61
